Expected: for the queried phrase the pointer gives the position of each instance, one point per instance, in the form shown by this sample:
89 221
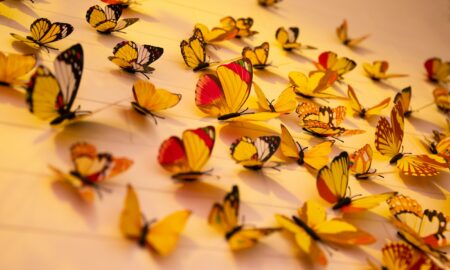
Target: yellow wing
341 232
422 165
332 180
152 99
225 217
315 85
285 103
216 34
248 237
193 51
288 146
14 67
198 144
287 38
258 56
317 156
131 218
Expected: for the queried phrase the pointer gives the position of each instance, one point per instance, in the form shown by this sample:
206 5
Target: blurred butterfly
377 71
224 217
323 121
216 34
404 97
365 112
91 169
315 85
254 154
123 3
51 97
107 20
442 99
342 33
223 94
441 147
258 55
332 184
268 3
288 39
241 25
185 157
148 99
43 32
160 236
132 57
388 141
316 157
285 103
193 51
361 161
311 228
330 61
13 68
438 71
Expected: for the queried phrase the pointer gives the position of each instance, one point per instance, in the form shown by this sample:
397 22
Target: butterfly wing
361 160
332 181
341 232
288 146
147 54
366 202
125 53
248 237
245 152
442 99
172 156
389 136
317 156
131 218
216 34
267 146
193 51
98 19
437 70
43 31
286 102
198 144
404 97
13 67
225 217
342 32
422 165
257 56
152 99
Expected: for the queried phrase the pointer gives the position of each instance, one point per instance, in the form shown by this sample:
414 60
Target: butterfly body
307 229
342 202
143 237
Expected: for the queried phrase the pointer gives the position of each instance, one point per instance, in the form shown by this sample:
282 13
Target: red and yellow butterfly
438 71
442 99
224 217
287 38
311 227
254 154
241 26
361 161
185 157
332 184
216 34
316 157
330 61
161 236
285 103
360 110
377 71
258 56
315 85
107 20
342 33
91 169
13 69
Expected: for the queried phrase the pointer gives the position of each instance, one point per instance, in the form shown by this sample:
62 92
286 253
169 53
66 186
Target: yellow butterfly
161 236
316 157
365 112
314 85
377 71
216 34
438 71
404 97
361 161
224 217
254 154
330 61
285 103
13 68
288 39
193 51
311 227
342 33
258 55
148 99
107 21
267 3
241 26
44 32
442 99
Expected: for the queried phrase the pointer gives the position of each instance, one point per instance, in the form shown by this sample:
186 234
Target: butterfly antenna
424 106
208 172
337 139
155 116
145 75
276 167
109 105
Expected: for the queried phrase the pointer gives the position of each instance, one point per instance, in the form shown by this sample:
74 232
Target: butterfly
185 157
316 157
377 71
330 61
268 3
43 32
311 228
148 99
241 25
223 94
91 169
365 112
388 141
314 85
123 3
438 71
193 51
216 34
107 20
288 39
13 68
441 147
332 184
224 217
442 99
258 55
285 103
342 33
253 154
404 97
323 121
51 97
160 236
361 161
132 57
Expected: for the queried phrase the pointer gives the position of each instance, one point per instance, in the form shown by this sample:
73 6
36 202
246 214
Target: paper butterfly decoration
91 169
361 161
123 3
441 147
161 236
438 71
224 217
404 97
107 20
133 58
216 34
316 157
254 154
43 32
51 97
241 26
285 103
315 85
148 99
13 68
365 112
332 184
193 51
258 55
287 38
342 33
330 61
311 228
442 99
268 3
185 157
377 71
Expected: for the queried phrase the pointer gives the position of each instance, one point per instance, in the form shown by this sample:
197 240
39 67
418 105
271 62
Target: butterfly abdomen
301 157
143 237
396 158
235 230
362 113
201 66
187 176
307 229
342 203
229 116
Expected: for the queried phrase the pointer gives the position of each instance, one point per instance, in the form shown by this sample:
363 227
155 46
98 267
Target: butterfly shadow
386 85
108 40
231 131
361 50
434 191
278 189
242 42
24 8
304 260
298 57
13 98
270 76
138 13
25 49
422 125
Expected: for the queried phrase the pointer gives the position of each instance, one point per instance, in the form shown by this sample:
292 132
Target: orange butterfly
438 71
342 33
377 71
442 99
361 161
360 110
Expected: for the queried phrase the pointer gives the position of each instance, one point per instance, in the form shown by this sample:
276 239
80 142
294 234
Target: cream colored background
45 226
